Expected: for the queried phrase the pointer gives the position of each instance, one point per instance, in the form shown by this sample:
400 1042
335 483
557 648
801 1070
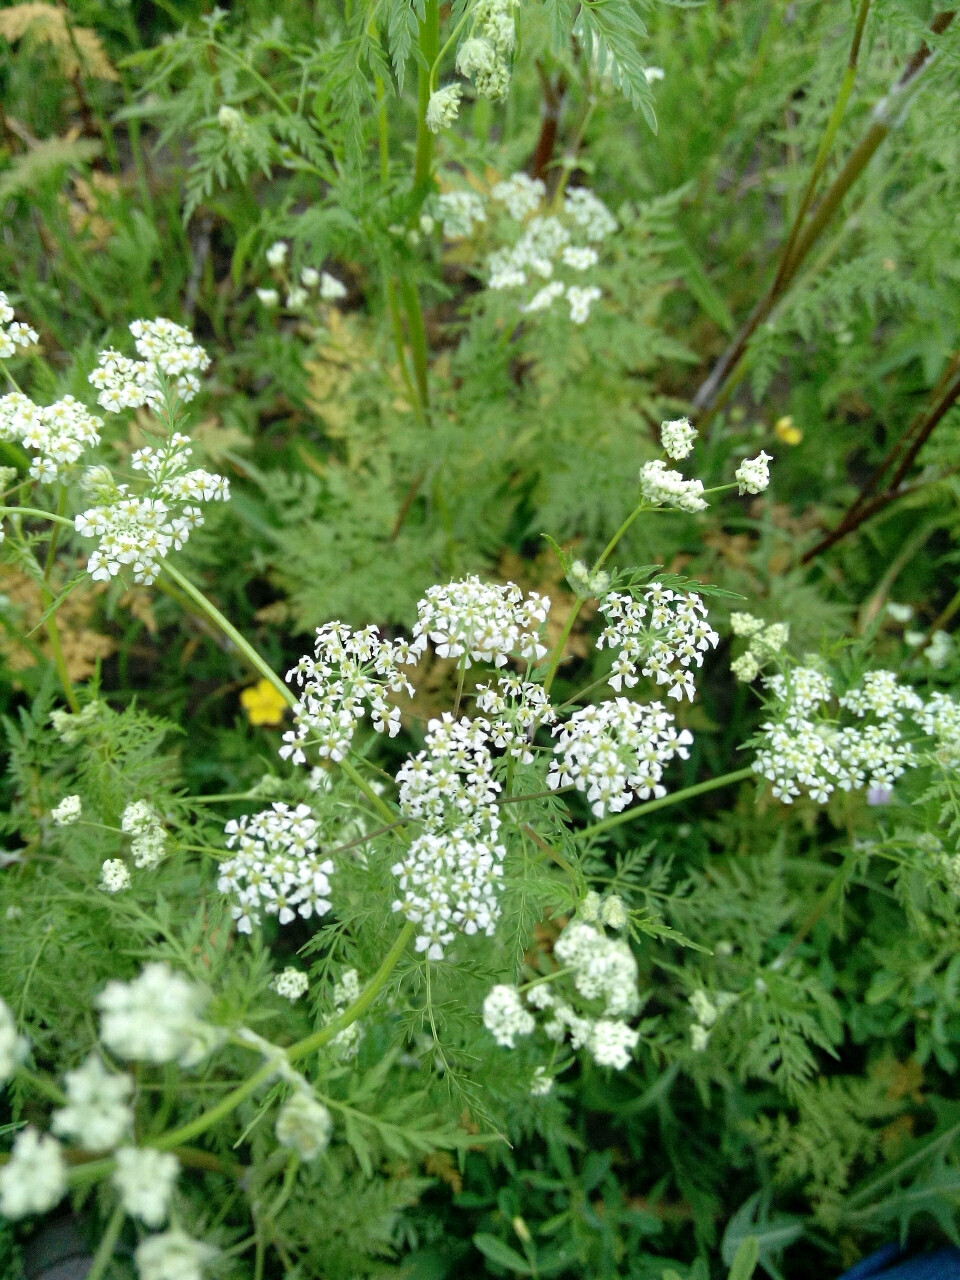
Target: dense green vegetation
421 369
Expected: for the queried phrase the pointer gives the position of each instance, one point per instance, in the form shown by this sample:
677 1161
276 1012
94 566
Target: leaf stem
50 614
675 797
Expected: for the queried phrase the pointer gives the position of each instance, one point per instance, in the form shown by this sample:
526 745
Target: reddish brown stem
551 108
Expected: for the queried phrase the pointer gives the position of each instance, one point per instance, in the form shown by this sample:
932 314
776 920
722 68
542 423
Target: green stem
108 1242
361 784
50 620
230 631
418 337
37 514
430 49
228 1104
724 780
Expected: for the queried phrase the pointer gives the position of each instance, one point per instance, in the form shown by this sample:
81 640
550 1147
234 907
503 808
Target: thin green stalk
430 49
229 630
418 337
37 514
713 784
108 1242
228 1104
361 784
50 618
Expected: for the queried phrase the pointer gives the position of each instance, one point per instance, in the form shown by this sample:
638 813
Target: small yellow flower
262 703
784 430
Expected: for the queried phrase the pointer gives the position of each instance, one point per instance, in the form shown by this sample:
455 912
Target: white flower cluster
114 876
67 812
603 983
57 435
940 718
609 911
482 621
291 984
350 671
458 212
678 437
166 350
753 474
34 1179
764 641
615 751
519 708
13 333
664 635
139 530
443 107
13 1046
149 843
705 1015
98 1114
156 1018
145 1179
805 750
172 1255
548 243
304 1125
664 488
450 875
329 287
484 57
345 992
587 583
278 867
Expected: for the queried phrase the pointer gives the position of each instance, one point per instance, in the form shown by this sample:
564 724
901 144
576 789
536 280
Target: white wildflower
145 1179
505 1017
541 1084
57 435
149 842
345 993
172 1255
459 212
114 876
579 259
650 74
581 300
664 636
613 913
678 437
940 649
663 488
544 298
13 1046
155 1018
611 1043
269 297
753 474
900 612
746 668
165 349
67 812
276 255
291 984
296 298
34 1179
305 1125
331 289
309 277
443 108
482 621
590 213
97 1114
13 333
277 868
519 708
520 194
604 968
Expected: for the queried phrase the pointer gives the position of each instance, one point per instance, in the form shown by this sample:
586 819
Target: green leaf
493 1247
745 1259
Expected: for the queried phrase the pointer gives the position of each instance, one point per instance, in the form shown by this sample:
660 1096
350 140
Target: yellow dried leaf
77 49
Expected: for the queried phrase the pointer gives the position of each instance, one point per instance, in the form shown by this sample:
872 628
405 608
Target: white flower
443 108
155 1018
278 867
296 298
699 1036
678 437
141 821
305 1125
705 1011
57 435
664 636
519 708
579 259
541 1084
521 194
269 297
589 212
482 621
165 348
13 1046
900 612
346 992
331 289
663 488
753 474
476 55
603 968
653 73
544 298
745 668
145 1179
13 333
611 1043
310 277
613 913
459 212
581 300
291 984
277 253
616 751
97 1114
114 876
505 1017
67 811
940 649
173 1255
35 1177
